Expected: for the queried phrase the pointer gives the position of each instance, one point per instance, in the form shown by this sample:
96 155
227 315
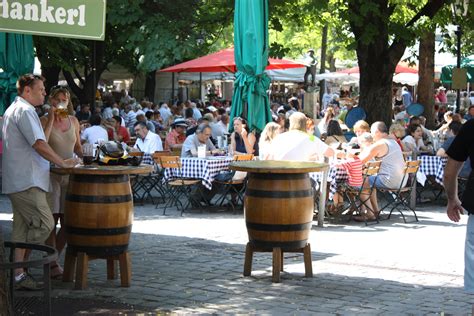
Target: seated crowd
185 126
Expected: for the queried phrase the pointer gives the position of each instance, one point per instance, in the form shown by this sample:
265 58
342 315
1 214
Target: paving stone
193 265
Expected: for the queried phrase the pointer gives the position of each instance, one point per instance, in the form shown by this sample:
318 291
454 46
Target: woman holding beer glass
62 133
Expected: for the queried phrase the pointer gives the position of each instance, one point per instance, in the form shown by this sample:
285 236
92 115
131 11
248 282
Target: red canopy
401 68
223 61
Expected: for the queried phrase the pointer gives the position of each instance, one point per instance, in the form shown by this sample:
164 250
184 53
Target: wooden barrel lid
278 166
104 170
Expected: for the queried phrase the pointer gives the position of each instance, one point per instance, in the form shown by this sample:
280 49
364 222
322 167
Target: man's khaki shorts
32 218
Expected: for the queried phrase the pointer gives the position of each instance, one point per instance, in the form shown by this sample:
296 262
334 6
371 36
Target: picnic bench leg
248 259
276 265
322 198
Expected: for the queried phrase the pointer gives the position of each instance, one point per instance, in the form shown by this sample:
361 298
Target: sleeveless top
63 142
393 163
240 145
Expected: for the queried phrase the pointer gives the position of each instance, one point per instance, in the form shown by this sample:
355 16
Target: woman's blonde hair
269 132
361 125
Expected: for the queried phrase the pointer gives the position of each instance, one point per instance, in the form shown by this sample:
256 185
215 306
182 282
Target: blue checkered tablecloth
433 166
200 168
147 159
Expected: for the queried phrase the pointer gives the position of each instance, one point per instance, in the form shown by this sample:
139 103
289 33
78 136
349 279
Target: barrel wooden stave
99 214
279 210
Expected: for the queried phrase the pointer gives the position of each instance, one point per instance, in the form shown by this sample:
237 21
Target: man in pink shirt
177 136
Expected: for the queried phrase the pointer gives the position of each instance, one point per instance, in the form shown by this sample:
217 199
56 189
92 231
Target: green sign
61 18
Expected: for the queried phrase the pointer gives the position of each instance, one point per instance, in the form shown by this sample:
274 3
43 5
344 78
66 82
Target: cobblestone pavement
194 264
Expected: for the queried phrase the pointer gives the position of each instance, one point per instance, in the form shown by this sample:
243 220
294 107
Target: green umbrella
447 71
250 98
16 59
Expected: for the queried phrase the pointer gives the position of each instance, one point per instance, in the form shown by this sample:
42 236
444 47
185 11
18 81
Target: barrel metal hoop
88 178
95 199
99 250
284 245
278 194
279 176
98 231
279 227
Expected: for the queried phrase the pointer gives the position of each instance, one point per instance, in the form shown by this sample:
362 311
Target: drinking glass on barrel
88 154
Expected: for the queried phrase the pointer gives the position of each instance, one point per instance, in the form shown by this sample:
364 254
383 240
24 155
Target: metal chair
179 185
236 187
144 185
401 196
359 197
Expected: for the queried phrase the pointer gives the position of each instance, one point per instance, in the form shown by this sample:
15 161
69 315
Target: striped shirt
353 166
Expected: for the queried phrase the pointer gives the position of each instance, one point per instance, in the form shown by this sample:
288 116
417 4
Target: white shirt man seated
298 145
95 132
147 141
201 137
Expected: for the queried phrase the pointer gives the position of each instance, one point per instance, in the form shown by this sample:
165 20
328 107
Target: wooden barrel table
98 219
279 206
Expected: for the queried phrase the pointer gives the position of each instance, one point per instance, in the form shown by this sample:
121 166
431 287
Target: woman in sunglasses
62 134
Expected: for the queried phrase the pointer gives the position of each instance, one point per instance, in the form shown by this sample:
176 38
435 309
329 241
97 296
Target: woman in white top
270 131
414 139
323 125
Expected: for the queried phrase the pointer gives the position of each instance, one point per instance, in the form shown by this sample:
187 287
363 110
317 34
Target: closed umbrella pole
250 99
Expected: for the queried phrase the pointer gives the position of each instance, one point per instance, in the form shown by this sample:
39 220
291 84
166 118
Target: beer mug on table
88 152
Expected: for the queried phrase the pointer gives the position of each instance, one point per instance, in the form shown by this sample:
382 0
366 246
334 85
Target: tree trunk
378 55
5 299
376 75
426 77
150 85
86 91
51 74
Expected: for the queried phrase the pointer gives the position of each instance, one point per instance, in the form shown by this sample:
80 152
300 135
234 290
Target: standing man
461 149
25 165
406 97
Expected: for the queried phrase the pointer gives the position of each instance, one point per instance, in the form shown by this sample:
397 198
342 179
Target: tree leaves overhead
146 35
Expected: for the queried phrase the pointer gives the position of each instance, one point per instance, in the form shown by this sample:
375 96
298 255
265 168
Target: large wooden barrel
99 214
279 210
